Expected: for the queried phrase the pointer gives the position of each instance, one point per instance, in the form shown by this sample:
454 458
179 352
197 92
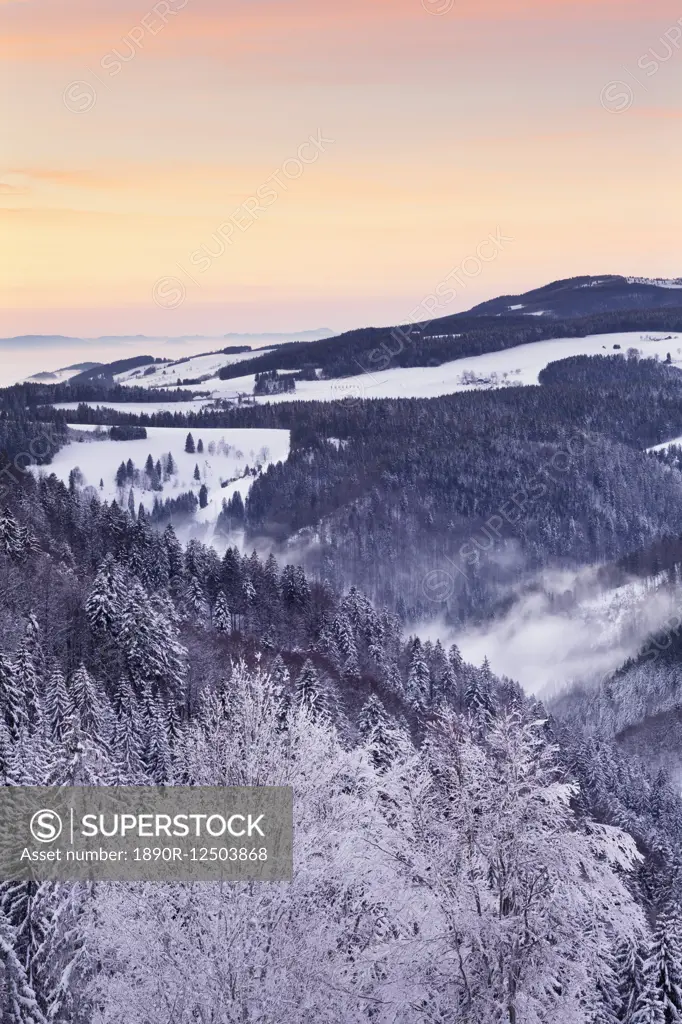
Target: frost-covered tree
221 614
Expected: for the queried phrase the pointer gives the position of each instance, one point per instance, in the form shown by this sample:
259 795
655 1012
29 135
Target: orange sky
146 142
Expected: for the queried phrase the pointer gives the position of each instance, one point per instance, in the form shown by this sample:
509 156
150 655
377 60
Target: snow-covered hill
222 465
520 365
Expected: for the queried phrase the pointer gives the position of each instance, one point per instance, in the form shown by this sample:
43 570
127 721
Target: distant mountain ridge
585 296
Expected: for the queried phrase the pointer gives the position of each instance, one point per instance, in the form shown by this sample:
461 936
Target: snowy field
514 366
221 465
520 365
167 375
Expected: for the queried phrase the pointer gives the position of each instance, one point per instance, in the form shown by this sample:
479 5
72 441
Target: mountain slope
586 296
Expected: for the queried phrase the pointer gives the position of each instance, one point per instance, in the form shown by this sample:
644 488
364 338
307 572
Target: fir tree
189 445
309 694
59 706
665 964
418 678
221 614
12 704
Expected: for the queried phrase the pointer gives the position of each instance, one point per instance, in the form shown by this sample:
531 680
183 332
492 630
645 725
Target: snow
241 447
520 365
165 375
659 282
519 306
666 444
513 366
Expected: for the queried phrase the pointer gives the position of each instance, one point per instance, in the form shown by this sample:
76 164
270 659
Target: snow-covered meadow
226 454
513 366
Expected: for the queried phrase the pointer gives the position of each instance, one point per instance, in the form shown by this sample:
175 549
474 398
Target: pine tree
418 677
10 537
87 702
131 502
479 698
20 1003
104 603
309 694
200 447
197 474
121 475
59 707
203 496
629 970
665 964
28 671
12 705
221 614
373 726
189 445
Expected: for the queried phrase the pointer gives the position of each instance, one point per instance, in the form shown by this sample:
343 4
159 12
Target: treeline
438 341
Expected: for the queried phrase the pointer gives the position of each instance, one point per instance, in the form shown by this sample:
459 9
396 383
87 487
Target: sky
205 166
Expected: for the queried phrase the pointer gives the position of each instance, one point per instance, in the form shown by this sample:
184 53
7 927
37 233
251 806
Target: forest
463 852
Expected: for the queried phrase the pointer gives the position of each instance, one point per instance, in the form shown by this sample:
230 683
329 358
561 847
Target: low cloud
567 628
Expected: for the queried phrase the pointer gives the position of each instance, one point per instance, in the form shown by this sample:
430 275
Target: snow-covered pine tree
59 708
87 702
418 677
104 603
374 728
18 1001
12 703
665 963
10 536
308 692
479 698
221 614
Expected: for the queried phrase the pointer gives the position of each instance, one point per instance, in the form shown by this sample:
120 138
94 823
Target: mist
567 629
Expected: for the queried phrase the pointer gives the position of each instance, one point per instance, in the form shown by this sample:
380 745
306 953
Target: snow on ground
520 365
659 282
168 374
227 453
666 444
